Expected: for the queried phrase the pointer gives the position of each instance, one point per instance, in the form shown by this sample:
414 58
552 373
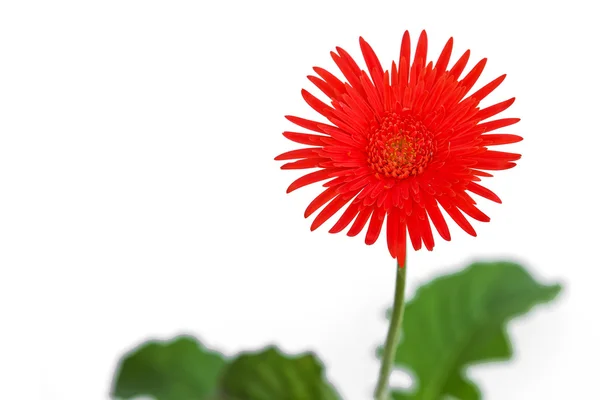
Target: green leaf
181 369
269 375
460 320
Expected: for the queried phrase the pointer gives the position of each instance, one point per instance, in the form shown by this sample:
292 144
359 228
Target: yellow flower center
399 147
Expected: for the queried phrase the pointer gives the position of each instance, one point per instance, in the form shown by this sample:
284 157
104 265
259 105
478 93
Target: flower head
400 144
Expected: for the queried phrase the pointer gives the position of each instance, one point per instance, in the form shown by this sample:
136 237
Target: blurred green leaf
459 320
271 375
181 369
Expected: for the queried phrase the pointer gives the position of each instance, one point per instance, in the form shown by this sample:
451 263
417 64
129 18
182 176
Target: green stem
393 335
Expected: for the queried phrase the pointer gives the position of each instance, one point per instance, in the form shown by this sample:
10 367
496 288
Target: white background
139 197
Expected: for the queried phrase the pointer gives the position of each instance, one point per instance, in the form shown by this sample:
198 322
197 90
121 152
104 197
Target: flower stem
393 335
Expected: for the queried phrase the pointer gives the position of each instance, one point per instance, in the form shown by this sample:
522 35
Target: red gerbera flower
399 144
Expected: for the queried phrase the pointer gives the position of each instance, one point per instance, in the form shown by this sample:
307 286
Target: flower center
399 147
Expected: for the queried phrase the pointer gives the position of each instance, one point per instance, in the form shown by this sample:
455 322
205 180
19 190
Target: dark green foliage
460 320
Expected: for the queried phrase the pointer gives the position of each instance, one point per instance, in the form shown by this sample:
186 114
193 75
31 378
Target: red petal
375 226
405 52
481 173
323 87
296 154
498 139
437 218
426 234
471 210
360 221
444 59
358 103
304 164
320 200
420 58
483 192
314 177
414 231
348 67
490 111
392 231
306 138
401 246
473 75
316 104
489 88
338 134
373 97
460 65
331 79
456 215
497 124
305 123
501 155
347 217
373 64
494 165
334 206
